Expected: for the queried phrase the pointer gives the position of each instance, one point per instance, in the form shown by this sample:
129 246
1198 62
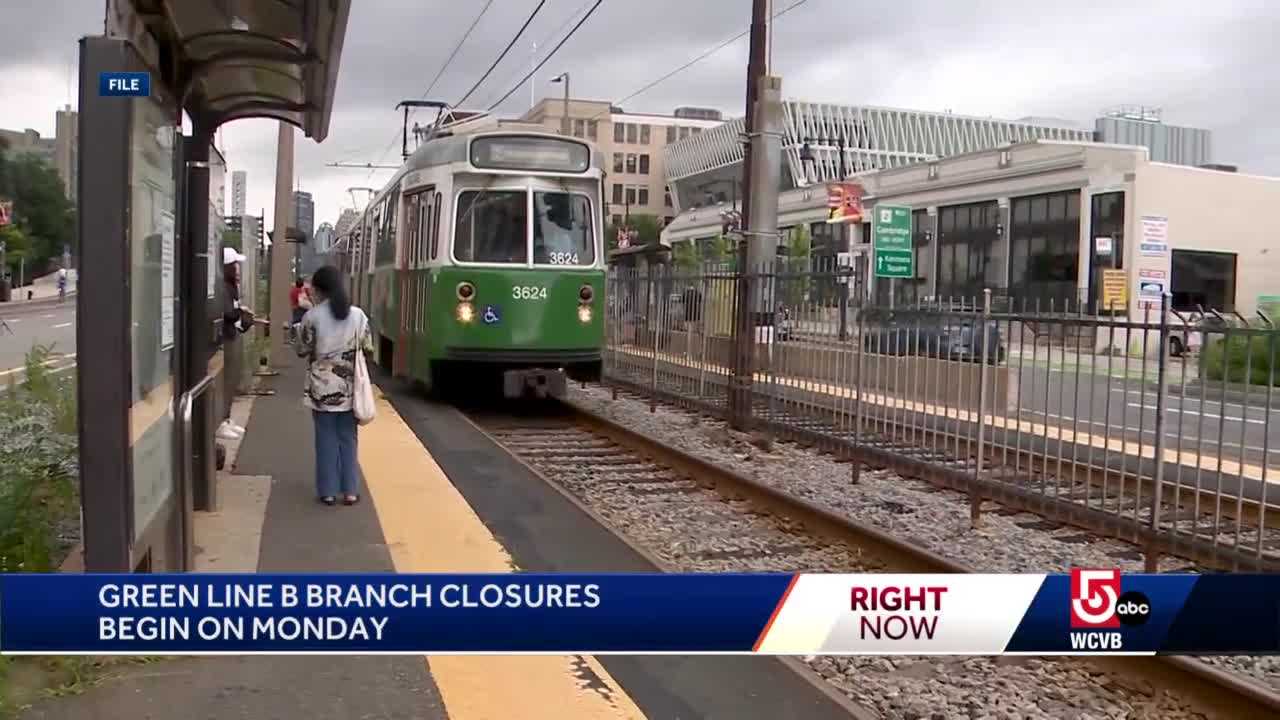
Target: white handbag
362 402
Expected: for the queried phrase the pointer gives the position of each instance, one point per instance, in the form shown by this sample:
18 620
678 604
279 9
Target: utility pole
280 255
740 380
565 128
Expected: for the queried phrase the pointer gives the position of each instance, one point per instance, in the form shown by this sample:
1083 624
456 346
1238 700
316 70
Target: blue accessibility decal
492 315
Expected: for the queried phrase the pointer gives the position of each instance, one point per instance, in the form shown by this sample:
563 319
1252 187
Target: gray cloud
1206 65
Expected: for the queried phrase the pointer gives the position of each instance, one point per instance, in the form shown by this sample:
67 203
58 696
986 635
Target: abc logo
1133 608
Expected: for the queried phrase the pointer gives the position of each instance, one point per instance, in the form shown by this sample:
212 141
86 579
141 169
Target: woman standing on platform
332 333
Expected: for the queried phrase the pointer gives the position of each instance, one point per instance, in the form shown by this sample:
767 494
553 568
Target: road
1048 381
1193 423
24 326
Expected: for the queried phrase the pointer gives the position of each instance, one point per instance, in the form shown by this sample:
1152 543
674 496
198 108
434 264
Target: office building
1143 126
66 147
632 144
29 142
239 180
304 220
345 221
60 152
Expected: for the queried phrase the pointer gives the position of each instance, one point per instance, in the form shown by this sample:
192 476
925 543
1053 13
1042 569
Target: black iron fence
1156 428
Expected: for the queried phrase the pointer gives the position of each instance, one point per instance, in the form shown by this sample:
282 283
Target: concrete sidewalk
297 535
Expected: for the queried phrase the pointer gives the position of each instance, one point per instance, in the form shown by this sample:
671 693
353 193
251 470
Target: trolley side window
562 229
492 227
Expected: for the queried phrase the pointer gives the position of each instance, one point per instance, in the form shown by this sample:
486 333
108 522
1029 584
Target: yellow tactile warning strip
429 527
1205 462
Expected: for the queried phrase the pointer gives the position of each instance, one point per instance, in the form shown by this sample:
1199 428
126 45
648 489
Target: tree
40 207
796 267
684 255
231 239
17 251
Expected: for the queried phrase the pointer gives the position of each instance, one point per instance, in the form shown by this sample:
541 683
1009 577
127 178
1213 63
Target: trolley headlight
466 291
586 293
584 313
466 312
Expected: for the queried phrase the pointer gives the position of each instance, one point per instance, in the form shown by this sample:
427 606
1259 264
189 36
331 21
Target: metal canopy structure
231 59
165 368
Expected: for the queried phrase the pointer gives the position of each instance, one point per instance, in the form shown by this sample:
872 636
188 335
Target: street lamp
564 122
841 240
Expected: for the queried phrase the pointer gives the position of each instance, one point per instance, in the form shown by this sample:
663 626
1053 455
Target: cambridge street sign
891 237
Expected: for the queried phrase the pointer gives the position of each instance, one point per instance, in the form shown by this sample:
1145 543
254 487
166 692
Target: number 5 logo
1094 595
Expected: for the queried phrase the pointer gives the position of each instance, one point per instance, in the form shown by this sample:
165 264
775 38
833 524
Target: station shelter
149 356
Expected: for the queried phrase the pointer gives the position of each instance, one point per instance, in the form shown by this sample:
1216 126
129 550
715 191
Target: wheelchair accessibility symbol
491 316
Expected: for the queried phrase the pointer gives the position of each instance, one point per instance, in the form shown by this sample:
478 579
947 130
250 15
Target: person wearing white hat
236 319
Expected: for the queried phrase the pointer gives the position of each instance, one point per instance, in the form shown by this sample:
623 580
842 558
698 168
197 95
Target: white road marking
51 361
1212 416
61 325
49 315
1170 433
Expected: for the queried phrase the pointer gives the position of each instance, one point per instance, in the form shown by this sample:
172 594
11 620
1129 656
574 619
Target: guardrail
1155 428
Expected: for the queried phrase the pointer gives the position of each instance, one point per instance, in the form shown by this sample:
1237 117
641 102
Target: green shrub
1231 359
38 452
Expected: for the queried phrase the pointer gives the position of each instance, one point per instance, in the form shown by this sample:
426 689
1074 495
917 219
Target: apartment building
633 145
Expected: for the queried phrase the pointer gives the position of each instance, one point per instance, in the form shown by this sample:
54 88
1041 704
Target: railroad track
686 514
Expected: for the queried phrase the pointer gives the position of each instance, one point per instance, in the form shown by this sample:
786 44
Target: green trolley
483 259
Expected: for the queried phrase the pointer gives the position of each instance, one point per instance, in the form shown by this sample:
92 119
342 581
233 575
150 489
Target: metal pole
280 257
1162 394
565 123
740 379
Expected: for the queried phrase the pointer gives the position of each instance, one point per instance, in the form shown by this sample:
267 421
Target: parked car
1190 332
933 335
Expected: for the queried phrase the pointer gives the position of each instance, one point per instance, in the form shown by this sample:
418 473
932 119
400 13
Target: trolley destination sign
891 235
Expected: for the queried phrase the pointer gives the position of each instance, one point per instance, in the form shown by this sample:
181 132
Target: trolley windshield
495 227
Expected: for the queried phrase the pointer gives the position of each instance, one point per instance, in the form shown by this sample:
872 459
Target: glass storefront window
1044 249
153 309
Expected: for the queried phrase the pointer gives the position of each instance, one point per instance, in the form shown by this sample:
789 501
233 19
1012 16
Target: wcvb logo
1094 597
1096 601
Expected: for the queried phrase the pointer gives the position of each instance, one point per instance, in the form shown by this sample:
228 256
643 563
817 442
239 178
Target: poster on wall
166 280
1154 241
217 180
1151 288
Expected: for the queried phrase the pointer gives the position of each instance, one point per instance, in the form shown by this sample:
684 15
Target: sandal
329 500
351 500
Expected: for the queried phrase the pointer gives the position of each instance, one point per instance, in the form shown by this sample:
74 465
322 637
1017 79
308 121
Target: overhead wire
706 54
503 54
445 66
550 55
547 40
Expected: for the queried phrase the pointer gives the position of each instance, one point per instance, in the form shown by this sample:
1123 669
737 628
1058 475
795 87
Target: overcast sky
1207 64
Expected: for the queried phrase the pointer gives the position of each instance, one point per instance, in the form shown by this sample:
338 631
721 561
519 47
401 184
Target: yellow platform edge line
430 528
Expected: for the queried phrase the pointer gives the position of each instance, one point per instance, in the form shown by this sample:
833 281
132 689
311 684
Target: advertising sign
845 202
891 239
6 212
1154 241
1151 287
1115 289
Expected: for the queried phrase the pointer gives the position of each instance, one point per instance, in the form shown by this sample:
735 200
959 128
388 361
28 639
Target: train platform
438 496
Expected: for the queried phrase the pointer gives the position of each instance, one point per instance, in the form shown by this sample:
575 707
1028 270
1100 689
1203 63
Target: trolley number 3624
528 292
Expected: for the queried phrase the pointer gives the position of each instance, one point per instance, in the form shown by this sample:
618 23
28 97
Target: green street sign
891 237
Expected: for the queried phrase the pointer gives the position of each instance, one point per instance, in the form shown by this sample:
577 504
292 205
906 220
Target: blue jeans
336 453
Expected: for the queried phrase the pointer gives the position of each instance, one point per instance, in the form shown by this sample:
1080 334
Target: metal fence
1156 429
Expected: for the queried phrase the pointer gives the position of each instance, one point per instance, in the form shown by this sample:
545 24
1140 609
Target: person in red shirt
299 302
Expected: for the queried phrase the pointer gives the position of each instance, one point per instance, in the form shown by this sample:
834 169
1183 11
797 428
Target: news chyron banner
1085 612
